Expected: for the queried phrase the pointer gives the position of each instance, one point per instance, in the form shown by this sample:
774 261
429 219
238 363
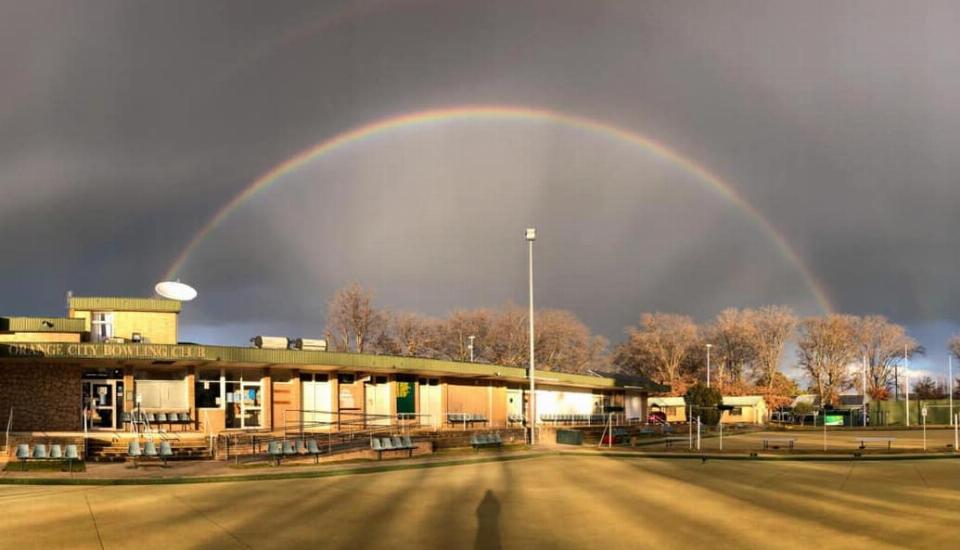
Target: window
671 411
207 390
345 378
101 326
736 411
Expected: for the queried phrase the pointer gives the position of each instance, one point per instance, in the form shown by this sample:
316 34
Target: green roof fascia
232 354
41 324
358 361
599 381
106 303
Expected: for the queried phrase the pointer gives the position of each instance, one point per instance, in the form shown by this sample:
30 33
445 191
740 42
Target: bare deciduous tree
657 346
773 325
733 334
352 322
454 332
882 344
410 334
826 348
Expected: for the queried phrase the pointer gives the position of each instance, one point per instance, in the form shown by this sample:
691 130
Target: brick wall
43 397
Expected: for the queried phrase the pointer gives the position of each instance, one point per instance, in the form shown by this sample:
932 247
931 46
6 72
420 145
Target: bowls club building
87 372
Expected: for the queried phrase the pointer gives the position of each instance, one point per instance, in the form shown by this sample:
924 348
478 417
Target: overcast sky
126 126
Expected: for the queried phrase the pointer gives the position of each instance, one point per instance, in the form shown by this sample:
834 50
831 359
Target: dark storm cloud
124 126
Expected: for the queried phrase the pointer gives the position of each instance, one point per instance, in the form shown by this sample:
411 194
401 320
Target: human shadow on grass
488 523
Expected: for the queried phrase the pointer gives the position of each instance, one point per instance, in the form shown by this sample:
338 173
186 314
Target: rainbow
498 112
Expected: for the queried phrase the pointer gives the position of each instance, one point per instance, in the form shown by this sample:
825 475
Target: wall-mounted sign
127 351
346 399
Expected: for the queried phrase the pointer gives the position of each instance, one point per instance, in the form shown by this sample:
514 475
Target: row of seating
289 448
149 450
156 419
395 443
466 418
574 418
485 440
40 452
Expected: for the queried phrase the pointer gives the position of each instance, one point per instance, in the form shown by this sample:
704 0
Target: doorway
377 392
315 388
99 403
244 405
430 402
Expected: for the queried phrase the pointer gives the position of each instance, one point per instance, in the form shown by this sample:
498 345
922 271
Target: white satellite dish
175 290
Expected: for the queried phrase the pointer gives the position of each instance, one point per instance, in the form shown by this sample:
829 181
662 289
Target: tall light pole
906 382
532 236
950 384
864 398
708 364
470 347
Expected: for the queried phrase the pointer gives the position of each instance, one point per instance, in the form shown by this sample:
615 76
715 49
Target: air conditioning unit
310 344
270 342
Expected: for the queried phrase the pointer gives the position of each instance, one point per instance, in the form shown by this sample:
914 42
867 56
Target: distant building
747 409
675 408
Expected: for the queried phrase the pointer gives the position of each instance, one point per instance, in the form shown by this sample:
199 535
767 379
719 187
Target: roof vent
270 342
310 344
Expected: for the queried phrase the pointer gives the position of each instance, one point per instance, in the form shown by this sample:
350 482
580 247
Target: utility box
569 437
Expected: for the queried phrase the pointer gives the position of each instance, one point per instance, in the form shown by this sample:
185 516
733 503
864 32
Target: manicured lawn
548 502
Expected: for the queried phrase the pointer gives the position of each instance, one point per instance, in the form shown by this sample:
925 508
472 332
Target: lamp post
531 235
470 347
950 384
863 412
906 380
708 364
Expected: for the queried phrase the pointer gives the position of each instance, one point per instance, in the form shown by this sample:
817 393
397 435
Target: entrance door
315 389
251 405
430 402
377 393
514 405
99 402
244 408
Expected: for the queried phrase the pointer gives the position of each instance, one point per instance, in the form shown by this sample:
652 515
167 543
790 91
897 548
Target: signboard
923 412
406 401
96 351
833 420
346 399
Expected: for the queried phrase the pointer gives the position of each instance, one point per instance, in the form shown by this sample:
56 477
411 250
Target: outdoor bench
670 441
773 442
484 440
395 443
875 439
40 452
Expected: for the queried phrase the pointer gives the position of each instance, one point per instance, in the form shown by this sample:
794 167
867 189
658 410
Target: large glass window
101 326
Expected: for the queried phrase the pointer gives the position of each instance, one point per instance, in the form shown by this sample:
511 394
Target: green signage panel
833 420
406 403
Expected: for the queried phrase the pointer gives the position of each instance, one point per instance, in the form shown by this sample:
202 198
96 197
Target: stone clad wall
43 397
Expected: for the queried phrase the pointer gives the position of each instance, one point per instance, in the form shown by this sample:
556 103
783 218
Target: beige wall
155 327
40 337
750 415
286 396
465 396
